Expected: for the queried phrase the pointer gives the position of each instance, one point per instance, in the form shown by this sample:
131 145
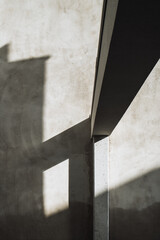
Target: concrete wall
134 172
67 32
47 62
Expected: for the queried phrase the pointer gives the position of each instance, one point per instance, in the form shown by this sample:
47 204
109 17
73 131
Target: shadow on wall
23 158
135 209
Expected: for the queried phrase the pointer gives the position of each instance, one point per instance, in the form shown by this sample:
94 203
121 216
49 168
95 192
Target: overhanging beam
129 49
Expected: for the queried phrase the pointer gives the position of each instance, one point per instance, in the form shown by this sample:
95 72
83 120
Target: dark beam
126 61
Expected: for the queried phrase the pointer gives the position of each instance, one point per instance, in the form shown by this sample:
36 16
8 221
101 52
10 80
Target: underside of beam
129 49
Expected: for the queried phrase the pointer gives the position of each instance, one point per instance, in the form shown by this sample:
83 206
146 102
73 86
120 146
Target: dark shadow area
23 158
135 209
99 137
134 51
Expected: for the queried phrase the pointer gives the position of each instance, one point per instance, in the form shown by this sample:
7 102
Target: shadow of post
23 157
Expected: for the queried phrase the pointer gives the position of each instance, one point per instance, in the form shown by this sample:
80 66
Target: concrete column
101 196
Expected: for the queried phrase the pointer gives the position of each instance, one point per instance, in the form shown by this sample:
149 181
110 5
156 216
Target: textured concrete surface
101 202
134 166
56 199
25 212
68 32
47 62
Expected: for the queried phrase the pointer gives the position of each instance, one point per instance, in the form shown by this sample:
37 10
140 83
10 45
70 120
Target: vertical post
101 194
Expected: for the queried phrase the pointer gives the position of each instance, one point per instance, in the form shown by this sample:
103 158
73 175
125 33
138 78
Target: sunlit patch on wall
55 188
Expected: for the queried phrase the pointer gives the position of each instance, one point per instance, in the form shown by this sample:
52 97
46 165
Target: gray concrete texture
134 172
68 32
47 60
101 184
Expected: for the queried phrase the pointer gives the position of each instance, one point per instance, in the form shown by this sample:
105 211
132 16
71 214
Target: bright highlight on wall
55 188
